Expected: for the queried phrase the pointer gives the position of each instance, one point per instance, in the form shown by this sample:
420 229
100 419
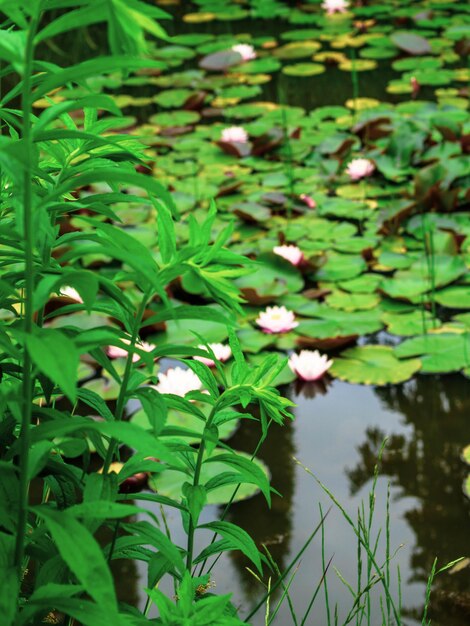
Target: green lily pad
455 297
352 301
373 365
303 69
408 324
331 322
259 66
341 267
439 352
296 50
170 482
176 118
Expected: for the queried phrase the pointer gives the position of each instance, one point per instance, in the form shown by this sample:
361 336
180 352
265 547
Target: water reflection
425 464
270 527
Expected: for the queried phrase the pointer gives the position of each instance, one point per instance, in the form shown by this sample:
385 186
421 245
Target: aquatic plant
276 319
309 365
291 253
359 168
222 352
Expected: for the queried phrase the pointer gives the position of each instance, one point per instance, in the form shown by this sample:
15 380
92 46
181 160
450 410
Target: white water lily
293 254
309 365
246 51
360 168
178 381
234 134
115 352
276 319
335 6
70 292
221 351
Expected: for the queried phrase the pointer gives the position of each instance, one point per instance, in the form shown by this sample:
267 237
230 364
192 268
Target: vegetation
224 232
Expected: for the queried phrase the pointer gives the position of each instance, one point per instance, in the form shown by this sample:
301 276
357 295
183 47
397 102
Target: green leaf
83 556
56 356
196 498
235 539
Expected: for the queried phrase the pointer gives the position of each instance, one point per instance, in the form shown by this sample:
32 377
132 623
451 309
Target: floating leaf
411 43
303 69
373 365
439 353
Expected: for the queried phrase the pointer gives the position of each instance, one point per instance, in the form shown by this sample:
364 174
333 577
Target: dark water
337 434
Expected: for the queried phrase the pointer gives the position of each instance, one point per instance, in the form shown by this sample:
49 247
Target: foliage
53 231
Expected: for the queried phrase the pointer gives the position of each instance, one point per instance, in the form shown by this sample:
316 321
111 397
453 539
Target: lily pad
411 43
373 365
439 352
303 69
408 324
170 482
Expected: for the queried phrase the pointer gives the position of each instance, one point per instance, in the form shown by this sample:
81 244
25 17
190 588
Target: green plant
52 232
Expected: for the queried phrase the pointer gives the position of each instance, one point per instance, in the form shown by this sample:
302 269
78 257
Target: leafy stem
126 377
197 475
27 380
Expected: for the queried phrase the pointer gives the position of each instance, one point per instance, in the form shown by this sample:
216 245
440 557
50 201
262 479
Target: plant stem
26 104
125 379
197 475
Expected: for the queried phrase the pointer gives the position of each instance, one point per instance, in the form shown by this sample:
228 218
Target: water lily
71 293
293 254
415 87
246 51
360 168
115 352
178 381
276 319
335 6
309 365
234 134
308 200
221 351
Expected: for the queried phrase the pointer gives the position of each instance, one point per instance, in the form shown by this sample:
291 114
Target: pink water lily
335 6
221 351
178 381
246 51
234 134
360 168
115 352
309 365
308 200
276 319
293 254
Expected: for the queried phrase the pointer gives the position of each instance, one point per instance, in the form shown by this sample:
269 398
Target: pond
339 428
335 149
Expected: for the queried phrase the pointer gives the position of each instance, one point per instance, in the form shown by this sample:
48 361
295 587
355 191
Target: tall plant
49 556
